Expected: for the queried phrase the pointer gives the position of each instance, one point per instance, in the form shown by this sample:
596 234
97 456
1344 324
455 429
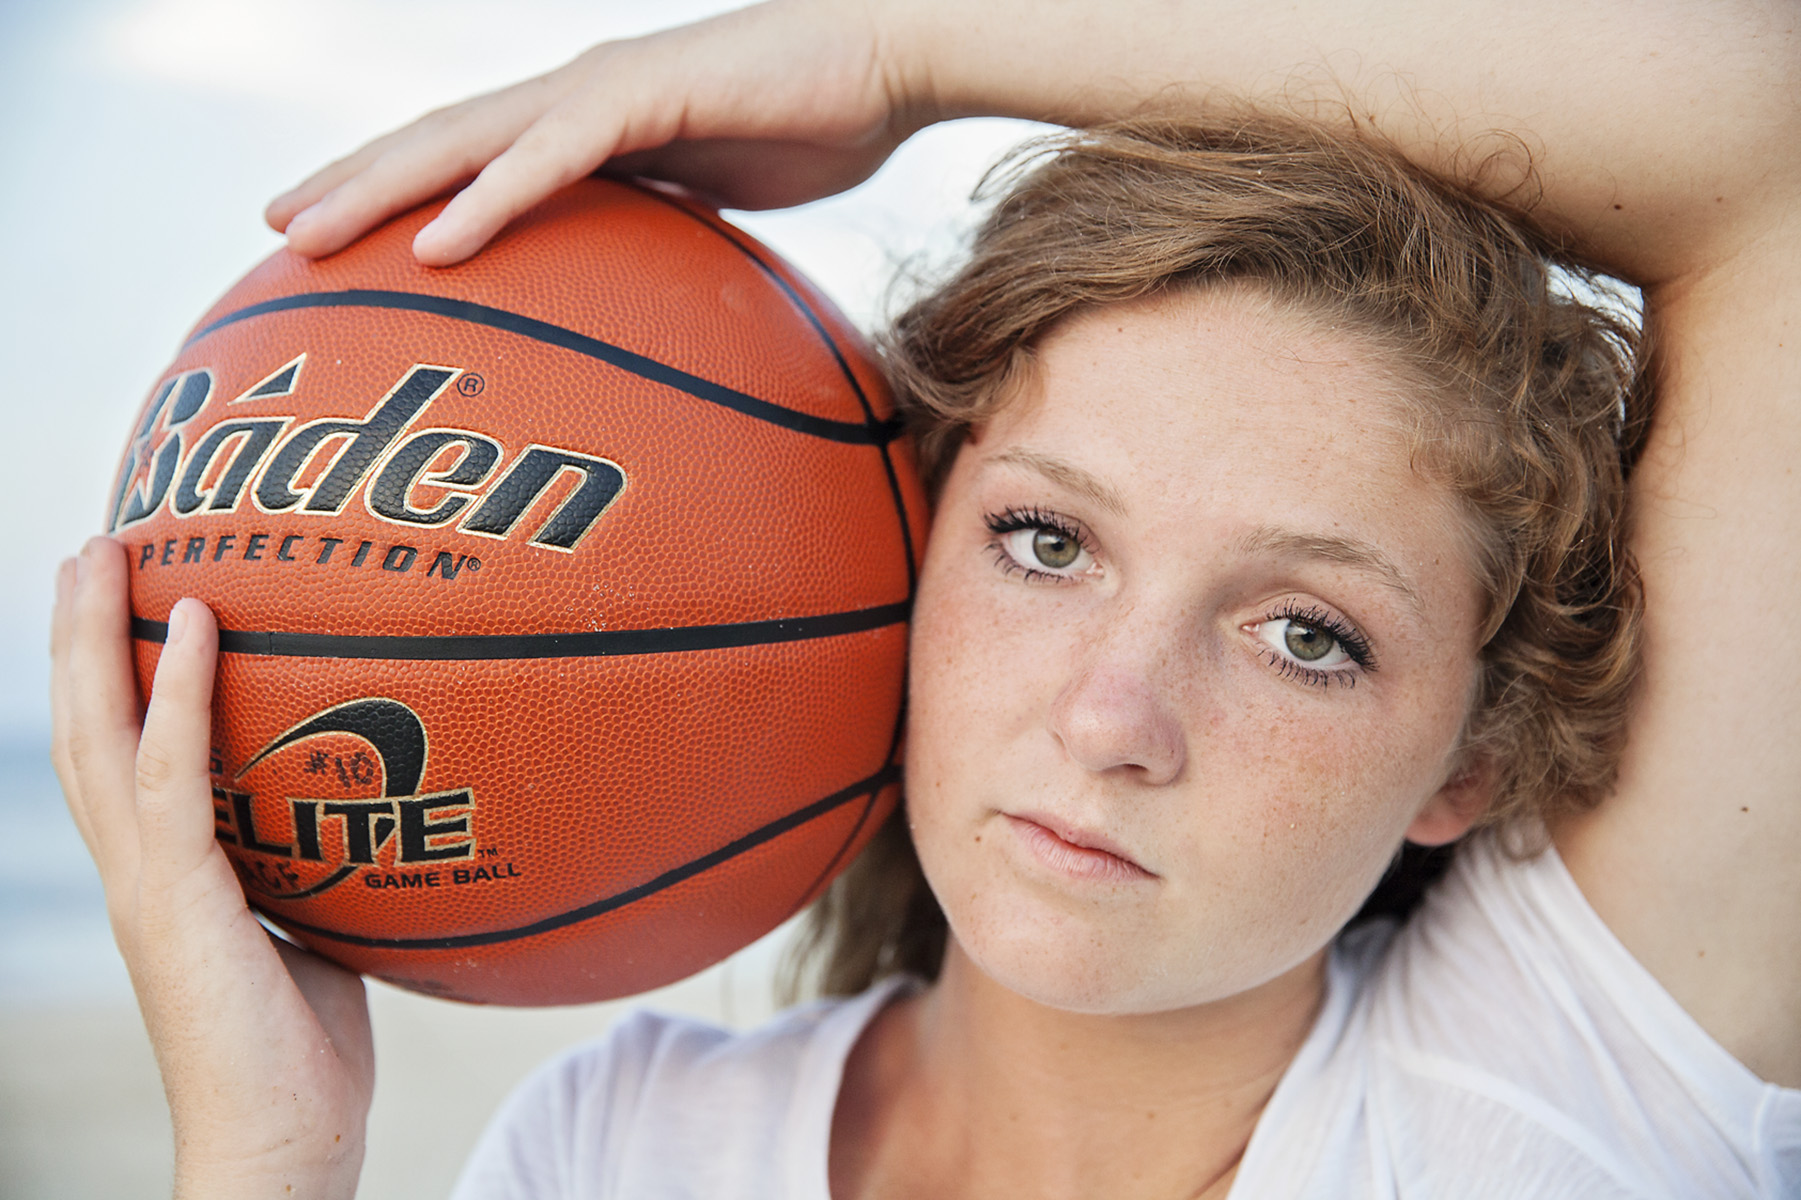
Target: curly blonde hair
1533 405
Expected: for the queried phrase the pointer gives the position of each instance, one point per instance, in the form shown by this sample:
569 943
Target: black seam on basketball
591 644
831 865
668 879
730 234
324 885
852 432
894 745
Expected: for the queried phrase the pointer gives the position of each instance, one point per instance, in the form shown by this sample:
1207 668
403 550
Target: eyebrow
1348 551
1067 474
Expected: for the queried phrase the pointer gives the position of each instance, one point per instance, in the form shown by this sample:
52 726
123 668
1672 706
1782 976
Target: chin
1095 993
1067 964
1113 967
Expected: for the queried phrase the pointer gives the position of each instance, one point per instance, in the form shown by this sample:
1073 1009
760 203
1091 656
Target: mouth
1075 852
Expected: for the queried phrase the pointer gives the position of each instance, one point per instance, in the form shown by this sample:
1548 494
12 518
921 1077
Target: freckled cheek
945 662
1313 790
979 672
947 692
978 655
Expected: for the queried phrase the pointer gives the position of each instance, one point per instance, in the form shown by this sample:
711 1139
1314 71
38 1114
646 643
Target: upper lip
1080 836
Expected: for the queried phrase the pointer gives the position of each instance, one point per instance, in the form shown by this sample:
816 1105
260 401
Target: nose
1114 714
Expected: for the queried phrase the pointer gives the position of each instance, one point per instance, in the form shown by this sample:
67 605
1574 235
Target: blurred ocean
55 947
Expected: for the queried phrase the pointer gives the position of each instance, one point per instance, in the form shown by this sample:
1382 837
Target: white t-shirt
1501 1044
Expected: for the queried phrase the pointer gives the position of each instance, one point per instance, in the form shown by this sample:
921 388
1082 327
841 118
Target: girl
1279 521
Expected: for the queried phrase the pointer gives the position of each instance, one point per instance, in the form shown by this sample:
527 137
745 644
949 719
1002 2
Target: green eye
1053 549
1307 643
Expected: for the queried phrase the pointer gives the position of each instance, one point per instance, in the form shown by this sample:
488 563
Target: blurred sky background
139 140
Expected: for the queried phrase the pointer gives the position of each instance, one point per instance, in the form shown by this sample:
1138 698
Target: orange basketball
562 594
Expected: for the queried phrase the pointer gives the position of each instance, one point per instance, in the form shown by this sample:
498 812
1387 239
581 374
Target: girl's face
1191 655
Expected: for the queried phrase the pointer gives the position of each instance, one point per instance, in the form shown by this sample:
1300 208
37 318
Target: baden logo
399 833
190 464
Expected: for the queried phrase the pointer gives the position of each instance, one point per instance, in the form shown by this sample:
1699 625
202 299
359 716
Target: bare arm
1666 139
1695 861
1645 120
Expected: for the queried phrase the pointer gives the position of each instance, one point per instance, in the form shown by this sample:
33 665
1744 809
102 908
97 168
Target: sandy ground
82 1115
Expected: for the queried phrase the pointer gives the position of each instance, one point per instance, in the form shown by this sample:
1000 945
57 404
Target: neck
974 1090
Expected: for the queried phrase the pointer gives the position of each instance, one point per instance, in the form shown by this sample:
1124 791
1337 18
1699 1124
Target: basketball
562 594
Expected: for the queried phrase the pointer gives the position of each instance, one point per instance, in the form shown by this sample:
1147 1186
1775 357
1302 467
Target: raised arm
1665 142
1659 131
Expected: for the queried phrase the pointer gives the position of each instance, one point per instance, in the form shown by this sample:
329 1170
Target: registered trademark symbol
471 384
474 564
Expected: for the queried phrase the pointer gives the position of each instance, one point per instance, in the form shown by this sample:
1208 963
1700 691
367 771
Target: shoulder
1503 1043
671 1106
1510 1023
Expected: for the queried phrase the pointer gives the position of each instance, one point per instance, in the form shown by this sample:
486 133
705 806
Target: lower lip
1069 859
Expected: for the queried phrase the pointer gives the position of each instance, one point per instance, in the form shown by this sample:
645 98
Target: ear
1452 809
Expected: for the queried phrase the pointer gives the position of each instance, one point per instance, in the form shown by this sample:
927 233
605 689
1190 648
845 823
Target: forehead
1186 374
1224 408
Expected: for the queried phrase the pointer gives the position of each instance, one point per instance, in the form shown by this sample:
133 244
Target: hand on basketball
762 108
265 1050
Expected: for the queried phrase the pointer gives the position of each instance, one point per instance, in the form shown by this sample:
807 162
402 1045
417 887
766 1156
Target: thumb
174 789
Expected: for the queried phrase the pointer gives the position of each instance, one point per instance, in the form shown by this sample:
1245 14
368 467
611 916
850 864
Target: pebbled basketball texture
562 594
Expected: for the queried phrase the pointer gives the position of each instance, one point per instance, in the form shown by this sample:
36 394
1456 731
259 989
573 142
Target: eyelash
1012 520
1354 644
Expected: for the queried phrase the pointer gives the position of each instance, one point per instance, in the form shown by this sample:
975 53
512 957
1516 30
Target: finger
566 143
437 153
282 210
309 191
174 787
61 632
103 704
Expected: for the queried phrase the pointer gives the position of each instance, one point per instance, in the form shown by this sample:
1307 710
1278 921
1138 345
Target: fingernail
178 625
